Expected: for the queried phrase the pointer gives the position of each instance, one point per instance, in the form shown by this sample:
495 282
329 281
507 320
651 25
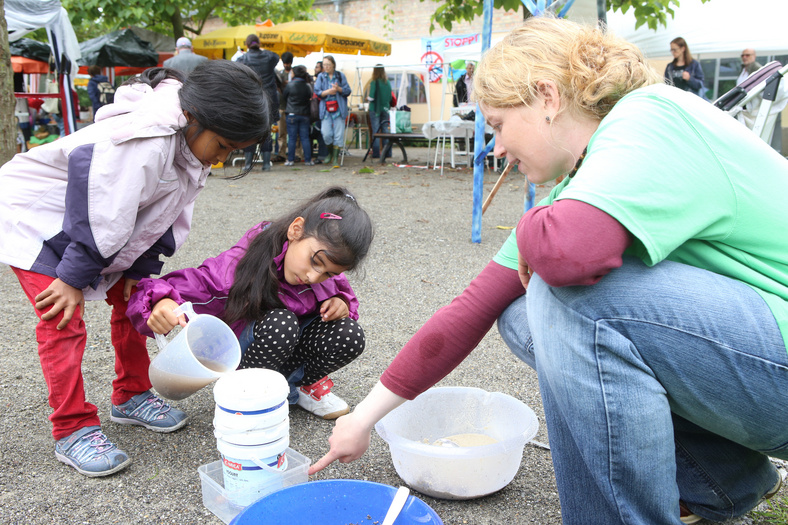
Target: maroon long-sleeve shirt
566 243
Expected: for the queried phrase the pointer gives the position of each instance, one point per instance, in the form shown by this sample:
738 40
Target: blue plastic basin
334 502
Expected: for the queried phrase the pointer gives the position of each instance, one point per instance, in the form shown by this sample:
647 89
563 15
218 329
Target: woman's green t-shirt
692 185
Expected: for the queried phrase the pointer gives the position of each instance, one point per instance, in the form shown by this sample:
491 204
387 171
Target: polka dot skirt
323 347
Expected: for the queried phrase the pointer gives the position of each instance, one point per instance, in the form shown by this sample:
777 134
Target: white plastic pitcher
204 350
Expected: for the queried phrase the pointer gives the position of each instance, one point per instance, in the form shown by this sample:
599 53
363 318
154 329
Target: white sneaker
330 406
320 401
288 163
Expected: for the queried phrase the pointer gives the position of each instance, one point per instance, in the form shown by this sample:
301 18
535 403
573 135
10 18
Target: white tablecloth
454 127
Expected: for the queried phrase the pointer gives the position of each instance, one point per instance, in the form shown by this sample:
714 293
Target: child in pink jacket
282 289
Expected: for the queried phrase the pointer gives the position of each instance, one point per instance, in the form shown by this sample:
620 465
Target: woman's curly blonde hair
592 69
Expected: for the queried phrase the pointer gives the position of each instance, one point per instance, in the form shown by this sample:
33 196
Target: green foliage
388 16
96 17
650 12
84 98
653 13
776 513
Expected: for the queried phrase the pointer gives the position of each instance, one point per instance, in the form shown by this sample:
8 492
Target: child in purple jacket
272 287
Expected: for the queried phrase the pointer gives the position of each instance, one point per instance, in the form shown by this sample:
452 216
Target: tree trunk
8 127
177 24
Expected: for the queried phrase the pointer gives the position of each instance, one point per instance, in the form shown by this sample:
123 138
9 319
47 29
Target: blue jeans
333 130
380 124
298 128
322 150
658 384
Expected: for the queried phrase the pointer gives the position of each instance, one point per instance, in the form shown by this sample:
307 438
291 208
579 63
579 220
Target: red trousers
61 351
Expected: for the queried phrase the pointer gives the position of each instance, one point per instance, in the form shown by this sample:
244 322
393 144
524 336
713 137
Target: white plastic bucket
247 469
253 437
252 430
203 351
250 400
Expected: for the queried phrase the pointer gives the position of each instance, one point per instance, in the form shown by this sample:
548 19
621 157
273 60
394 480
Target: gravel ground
421 258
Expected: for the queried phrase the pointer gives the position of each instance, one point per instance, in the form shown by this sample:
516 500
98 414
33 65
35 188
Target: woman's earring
547 119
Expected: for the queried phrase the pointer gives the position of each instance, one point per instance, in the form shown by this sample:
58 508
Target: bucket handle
257 461
185 308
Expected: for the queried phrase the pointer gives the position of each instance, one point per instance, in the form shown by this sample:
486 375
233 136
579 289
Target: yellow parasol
309 36
224 42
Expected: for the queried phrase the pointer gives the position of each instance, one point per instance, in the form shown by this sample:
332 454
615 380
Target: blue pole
531 196
478 159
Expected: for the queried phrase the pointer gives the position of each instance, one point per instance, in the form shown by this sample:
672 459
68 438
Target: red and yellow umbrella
224 42
309 36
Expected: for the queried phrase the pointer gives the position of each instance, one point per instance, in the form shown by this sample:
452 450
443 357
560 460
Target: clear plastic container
463 472
220 502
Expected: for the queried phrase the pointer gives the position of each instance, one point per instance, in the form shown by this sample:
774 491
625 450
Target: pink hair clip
327 215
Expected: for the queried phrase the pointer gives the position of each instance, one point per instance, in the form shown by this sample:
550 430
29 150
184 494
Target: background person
296 96
93 91
84 219
284 77
315 131
333 89
41 136
283 290
655 309
749 65
463 86
379 104
263 62
185 58
684 72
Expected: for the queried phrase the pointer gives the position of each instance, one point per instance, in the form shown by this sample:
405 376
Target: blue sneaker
90 452
150 411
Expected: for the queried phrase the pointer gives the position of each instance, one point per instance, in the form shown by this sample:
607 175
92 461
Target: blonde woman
656 311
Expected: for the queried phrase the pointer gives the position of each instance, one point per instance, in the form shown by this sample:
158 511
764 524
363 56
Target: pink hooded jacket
106 200
208 286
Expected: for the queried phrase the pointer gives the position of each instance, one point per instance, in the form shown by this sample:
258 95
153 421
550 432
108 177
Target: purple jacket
208 286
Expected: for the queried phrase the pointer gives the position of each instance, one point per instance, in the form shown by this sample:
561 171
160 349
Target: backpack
106 93
314 109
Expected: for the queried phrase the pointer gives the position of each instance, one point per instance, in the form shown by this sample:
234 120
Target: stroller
758 101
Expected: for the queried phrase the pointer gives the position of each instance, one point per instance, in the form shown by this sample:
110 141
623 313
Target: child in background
282 290
41 136
87 216
296 97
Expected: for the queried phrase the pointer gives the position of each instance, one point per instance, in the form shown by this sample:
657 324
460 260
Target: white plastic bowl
461 472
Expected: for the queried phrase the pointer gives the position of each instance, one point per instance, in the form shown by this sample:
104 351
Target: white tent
717 28
472 52
24 16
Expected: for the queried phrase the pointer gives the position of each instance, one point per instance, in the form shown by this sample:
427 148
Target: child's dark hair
224 97
300 72
255 289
